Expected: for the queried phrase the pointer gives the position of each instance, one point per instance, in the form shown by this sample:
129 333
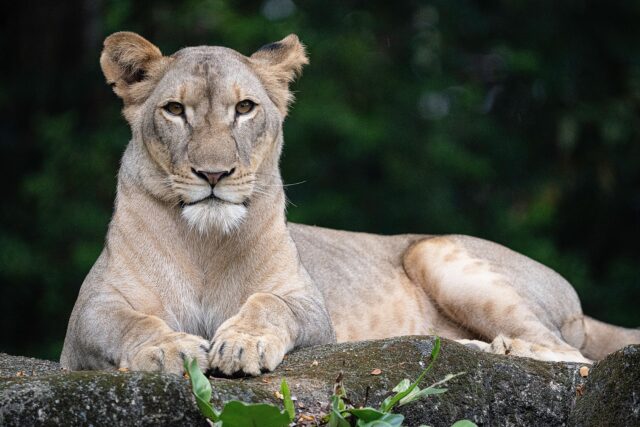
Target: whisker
235 184
288 201
284 185
267 174
184 181
264 193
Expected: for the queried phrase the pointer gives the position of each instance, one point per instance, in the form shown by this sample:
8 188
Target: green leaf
372 417
366 414
286 397
240 414
387 420
420 394
448 377
337 404
416 393
409 397
464 423
336 419
376 423
402 386
391 401
201 388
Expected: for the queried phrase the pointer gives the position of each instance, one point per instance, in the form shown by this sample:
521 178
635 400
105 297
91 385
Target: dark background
515 121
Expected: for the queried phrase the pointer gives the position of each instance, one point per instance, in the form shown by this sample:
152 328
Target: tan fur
191 270
278 65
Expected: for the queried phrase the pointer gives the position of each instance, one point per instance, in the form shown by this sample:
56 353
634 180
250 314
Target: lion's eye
174 108
244 107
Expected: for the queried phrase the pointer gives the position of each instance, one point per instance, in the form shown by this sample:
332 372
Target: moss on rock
496 390
611 394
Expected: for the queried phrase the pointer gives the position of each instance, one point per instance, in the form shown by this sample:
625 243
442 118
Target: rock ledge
496 390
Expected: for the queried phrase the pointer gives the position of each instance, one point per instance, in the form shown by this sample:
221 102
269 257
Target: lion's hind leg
469 291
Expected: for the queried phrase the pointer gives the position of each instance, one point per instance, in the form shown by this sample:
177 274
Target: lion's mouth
204 199
209 198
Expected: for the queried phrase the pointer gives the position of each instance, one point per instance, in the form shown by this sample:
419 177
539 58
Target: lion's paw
475 345
169 353
511 346
517 347
240 349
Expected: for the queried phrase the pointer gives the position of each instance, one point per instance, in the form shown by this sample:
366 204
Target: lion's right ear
278 64
130 63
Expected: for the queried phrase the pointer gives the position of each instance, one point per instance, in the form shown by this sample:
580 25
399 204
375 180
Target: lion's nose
212 177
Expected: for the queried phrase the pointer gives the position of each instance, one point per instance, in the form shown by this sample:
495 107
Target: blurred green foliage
510 120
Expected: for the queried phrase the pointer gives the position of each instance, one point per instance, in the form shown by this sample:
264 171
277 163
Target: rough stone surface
496 390
611 395
12 366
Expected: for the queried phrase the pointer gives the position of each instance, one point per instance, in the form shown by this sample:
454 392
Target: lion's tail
603 338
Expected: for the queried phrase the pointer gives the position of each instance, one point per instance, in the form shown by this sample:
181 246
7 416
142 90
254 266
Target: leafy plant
342 415
236 413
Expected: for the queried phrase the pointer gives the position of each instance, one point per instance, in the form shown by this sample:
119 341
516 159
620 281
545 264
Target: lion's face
209 117
210 124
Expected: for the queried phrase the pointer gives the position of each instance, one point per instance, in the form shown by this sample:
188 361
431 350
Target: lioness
200 262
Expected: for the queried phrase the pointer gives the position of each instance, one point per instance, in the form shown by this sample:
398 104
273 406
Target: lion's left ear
278 64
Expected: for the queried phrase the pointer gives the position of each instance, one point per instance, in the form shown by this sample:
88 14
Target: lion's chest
200 307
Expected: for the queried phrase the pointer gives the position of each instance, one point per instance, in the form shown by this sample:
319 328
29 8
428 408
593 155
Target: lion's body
374 298
199 261
388 273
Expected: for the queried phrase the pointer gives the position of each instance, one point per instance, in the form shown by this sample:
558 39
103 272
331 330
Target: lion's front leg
265 329
110 334
147 343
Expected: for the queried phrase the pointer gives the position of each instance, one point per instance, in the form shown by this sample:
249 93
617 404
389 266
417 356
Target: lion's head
210 119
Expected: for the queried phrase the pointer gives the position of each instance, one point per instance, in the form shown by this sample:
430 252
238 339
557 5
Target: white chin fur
205 216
